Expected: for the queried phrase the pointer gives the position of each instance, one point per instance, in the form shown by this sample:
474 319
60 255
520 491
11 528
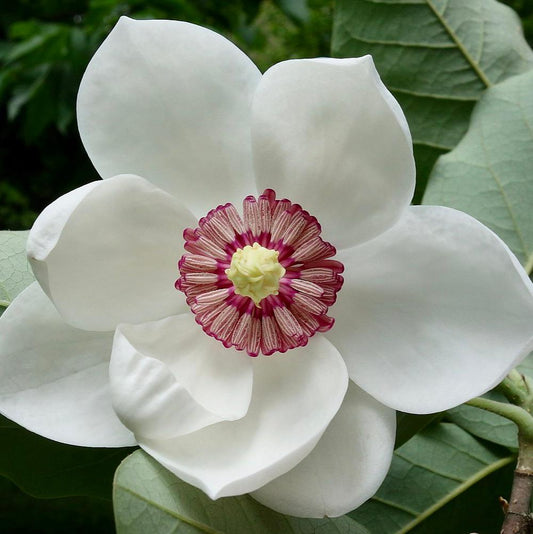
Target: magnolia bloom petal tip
433 312
347 466
54 378
320 129
295 396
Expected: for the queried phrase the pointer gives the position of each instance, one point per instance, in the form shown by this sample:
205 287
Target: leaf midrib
458 44
461 488
475 67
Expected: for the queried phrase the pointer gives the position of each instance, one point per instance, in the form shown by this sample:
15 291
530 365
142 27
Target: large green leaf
148 498
437 57
45 468
486 425
15 271
441 467
489 174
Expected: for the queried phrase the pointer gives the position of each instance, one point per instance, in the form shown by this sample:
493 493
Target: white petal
346 467
328 135
170 101
107 253
169 378
54 378
433 312
294 398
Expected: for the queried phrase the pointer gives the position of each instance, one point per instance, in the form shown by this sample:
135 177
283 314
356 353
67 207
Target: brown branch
518 517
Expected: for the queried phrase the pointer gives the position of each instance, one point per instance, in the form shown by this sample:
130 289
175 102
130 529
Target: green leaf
486 425
437 57
295 9
488 175
39 36
15 271
45 468
442 466
148 498
24 93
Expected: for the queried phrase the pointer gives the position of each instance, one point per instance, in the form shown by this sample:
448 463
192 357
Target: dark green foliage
14 208
45 47
443 480
48 469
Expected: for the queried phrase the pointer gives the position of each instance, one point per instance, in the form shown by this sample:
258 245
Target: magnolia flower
272 359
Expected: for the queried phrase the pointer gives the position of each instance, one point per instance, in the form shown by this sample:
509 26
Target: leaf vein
403 44
430 469
469 482
504 197
432 95
476 68
393 504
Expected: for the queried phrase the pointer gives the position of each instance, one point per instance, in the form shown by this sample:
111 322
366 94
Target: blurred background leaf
45 46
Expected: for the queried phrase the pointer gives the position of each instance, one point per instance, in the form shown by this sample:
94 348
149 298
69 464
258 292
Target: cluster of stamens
263 282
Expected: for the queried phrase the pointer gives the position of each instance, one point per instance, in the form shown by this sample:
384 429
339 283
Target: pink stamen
281 321
213 297
309 288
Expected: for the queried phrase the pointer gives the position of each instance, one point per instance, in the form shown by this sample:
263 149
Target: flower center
262 282
255 272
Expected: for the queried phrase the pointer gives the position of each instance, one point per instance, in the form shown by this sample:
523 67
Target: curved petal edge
327 134
54 378
295 396
346 467
434 312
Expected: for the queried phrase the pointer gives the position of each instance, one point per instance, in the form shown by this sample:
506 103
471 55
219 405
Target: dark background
45 46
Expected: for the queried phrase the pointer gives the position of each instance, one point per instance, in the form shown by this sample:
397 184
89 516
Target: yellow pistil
255 272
